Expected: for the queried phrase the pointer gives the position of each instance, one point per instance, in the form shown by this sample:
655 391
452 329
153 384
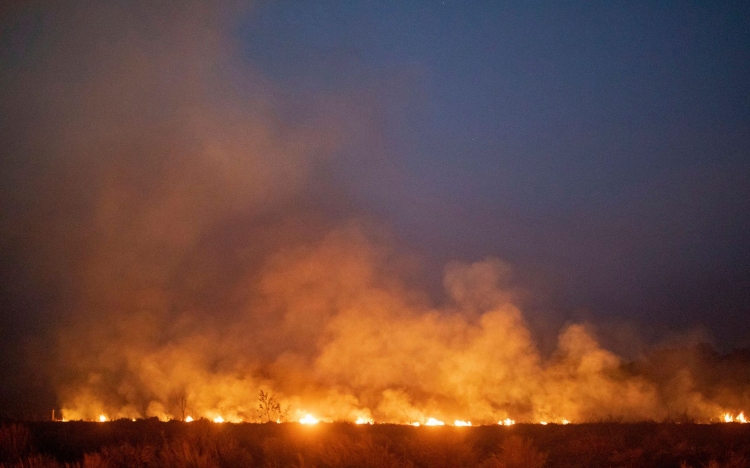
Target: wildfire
740 418
309 419
434 422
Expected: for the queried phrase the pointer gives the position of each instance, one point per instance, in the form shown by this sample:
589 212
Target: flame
102 418
218 419
565 421
740 418
189 419
415 424
506 422
361 420
543 423
458 422
309 419
434 422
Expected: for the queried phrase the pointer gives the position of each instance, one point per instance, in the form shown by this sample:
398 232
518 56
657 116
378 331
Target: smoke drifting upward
329 333
169 235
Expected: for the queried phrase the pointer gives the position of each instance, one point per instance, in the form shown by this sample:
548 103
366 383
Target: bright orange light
434 422
362 420
506 422
740 418
218 419
309 419
102 418
458 422
415 424
189 419
565 421
543 423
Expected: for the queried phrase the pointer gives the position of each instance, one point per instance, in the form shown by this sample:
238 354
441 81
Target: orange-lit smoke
351 342
177 207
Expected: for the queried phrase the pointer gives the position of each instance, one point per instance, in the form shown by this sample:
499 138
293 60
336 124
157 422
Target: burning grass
151 443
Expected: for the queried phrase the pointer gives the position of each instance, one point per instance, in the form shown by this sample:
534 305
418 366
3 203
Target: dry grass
203 444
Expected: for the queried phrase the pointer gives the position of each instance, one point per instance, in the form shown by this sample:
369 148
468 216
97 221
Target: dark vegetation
150 443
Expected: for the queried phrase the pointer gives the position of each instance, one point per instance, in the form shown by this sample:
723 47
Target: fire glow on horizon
740 418
309 419
470 363
193 255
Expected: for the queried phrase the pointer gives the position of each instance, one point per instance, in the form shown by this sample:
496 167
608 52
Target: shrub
516 452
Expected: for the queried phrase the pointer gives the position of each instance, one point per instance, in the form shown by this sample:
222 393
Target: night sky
601 150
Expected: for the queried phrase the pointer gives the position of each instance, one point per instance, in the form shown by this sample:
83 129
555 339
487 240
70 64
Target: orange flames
740 418
343 342
309 419
434 422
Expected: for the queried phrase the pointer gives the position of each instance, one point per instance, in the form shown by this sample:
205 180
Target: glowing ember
506 422
458 422
218 419
309 419
189 419
361 420
102 418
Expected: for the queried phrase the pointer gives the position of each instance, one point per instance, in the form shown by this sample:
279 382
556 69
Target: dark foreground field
203 444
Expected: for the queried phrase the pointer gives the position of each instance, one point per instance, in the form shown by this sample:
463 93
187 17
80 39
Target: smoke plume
173 247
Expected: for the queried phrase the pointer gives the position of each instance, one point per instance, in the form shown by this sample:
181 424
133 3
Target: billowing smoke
168 210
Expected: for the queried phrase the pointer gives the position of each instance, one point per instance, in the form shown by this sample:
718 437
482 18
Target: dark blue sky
603 149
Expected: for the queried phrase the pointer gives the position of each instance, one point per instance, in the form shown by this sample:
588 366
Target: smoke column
171 244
